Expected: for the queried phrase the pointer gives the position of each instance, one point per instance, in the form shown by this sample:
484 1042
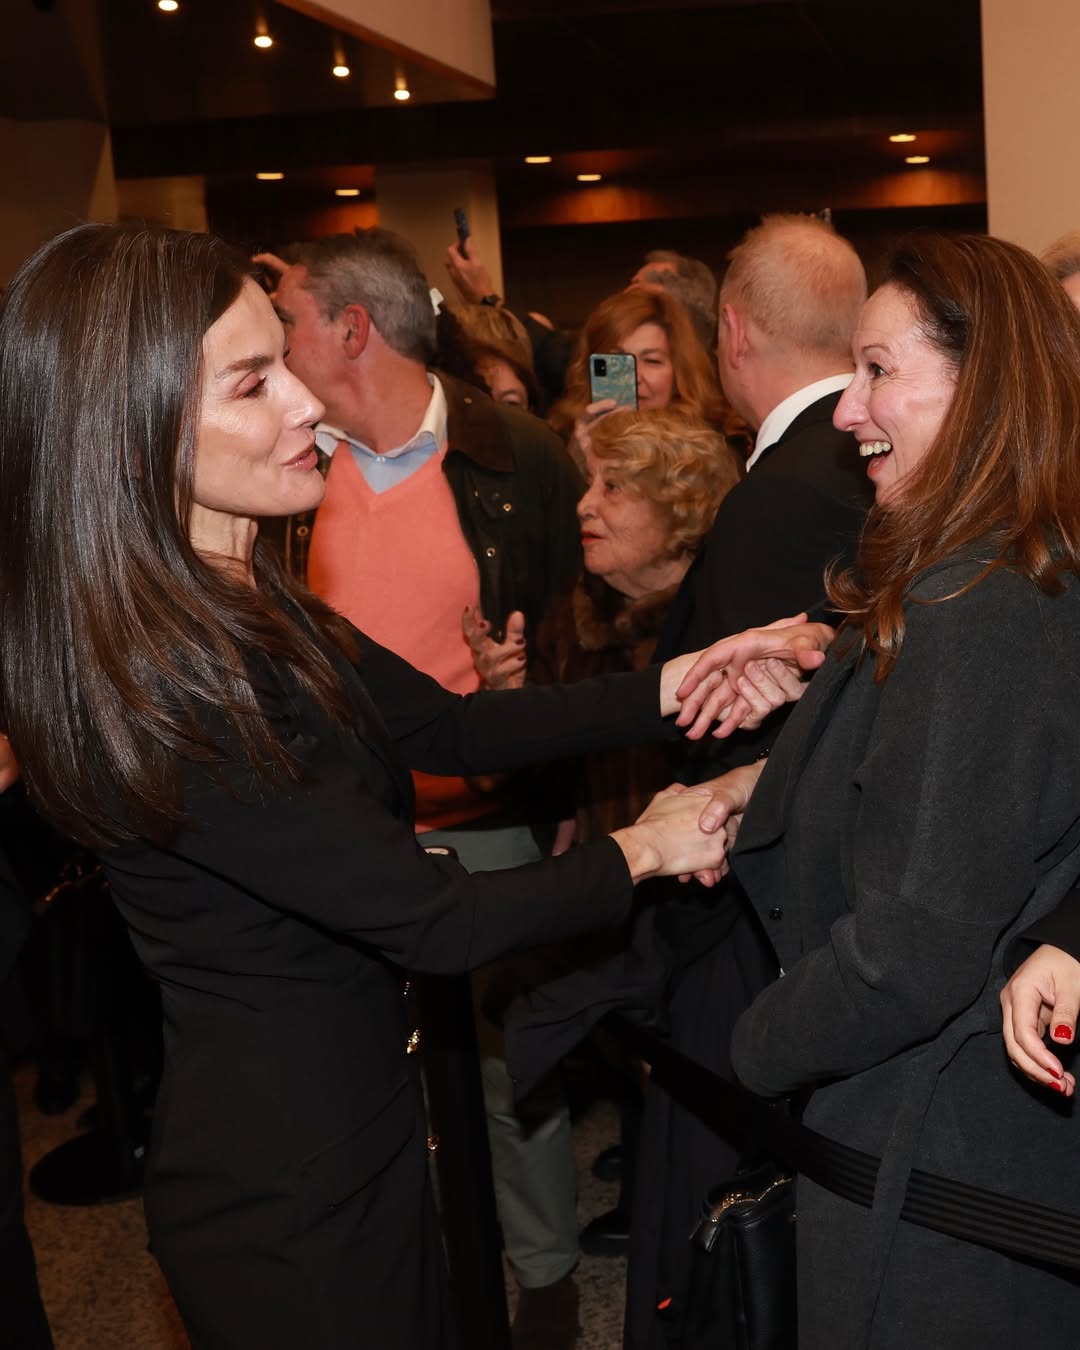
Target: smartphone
461 222
613 375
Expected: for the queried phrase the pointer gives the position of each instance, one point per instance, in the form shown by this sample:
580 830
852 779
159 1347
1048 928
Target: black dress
287 1192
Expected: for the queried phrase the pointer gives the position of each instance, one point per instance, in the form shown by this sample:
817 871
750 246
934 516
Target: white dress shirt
786 412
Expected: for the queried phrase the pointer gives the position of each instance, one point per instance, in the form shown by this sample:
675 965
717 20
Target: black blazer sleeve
331 850
443 733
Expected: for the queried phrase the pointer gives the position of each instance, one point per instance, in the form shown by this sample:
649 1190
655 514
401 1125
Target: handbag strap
991 1219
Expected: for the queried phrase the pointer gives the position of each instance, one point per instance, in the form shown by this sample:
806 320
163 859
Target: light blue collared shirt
387 470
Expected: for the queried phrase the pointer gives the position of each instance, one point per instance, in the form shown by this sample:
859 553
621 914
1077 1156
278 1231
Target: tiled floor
103 1291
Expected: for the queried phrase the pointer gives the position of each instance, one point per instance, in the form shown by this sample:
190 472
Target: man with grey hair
439 500
687 280
1063 259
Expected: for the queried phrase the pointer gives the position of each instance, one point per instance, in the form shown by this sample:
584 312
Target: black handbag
741 1294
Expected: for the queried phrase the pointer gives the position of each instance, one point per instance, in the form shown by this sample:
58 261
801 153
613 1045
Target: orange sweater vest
396 565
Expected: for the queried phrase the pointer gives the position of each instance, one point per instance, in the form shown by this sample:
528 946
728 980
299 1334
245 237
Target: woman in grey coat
922 806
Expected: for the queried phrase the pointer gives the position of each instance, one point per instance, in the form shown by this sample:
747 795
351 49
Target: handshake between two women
736 683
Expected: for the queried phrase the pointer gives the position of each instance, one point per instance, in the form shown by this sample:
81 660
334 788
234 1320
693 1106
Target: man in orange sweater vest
437 499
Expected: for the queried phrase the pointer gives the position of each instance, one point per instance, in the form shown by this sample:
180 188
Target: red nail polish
1055 1072
1062 1032
1058 1087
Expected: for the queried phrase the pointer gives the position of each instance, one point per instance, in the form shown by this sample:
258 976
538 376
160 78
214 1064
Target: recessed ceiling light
537 159
269 177
589 177
340 68
902 137
168 6
263 40
402 95
917 159
346 192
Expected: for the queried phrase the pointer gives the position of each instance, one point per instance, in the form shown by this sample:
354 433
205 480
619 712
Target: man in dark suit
21 1313
788 307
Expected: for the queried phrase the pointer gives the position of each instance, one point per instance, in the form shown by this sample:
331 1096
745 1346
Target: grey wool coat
901 835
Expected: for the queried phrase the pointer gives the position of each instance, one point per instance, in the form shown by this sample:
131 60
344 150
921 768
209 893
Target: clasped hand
738 681
688 831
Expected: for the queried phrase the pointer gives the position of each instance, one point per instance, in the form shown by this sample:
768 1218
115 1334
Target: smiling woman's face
902 388
255 450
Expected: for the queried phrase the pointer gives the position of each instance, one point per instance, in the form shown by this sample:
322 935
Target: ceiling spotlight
269 177
346 192
401 88
341 66
902 137
262 33
537 159
589 177
168 6
916 159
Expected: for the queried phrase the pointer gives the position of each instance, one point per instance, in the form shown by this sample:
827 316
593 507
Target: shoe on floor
547 1318
608 1235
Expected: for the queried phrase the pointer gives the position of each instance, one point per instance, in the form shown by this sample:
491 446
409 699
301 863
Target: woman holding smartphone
673 369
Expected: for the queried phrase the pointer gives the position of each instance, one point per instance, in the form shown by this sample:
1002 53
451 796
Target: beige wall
452 34
1032 112
177 202
420 203
55 175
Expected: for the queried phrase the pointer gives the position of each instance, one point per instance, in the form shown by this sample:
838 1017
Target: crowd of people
360 640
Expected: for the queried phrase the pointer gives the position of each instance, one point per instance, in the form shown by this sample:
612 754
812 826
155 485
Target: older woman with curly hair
655 481
673 368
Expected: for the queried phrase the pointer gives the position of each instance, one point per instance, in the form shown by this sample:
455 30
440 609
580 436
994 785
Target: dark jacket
287 1194
799 508
516 491
900 837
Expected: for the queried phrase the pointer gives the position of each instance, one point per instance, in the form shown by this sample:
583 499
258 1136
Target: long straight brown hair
1001 481
122 652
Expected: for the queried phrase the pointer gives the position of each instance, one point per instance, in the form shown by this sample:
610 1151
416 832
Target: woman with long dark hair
239 756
